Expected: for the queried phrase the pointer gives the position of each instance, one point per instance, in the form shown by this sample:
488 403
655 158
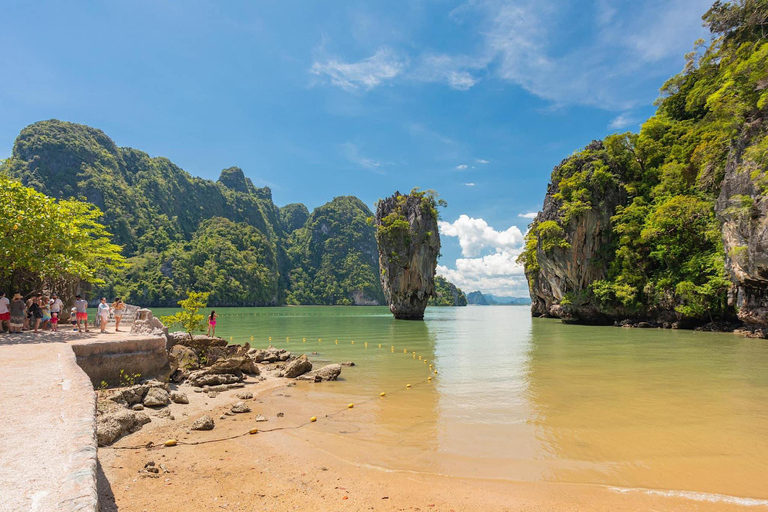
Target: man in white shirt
5 313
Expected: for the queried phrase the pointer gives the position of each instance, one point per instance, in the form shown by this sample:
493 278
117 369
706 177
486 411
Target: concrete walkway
48 413
47 431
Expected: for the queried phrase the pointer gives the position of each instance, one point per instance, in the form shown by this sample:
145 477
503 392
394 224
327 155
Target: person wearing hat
18 308
81 308
5 313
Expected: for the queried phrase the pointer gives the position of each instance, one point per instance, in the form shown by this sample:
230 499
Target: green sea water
516 398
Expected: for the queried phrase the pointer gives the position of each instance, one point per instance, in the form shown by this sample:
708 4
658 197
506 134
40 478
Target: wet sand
285 470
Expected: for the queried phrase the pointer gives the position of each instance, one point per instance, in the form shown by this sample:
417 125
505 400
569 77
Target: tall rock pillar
409 245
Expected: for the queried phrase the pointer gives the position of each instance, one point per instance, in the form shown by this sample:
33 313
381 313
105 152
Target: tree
189 317
43 239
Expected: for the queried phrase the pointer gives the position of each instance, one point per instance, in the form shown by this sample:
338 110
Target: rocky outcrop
742 208
326 373
570 267
270 355
298 366
409 243
114 421
203 423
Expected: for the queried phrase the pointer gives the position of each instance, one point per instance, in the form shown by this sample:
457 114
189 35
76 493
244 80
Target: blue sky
476 99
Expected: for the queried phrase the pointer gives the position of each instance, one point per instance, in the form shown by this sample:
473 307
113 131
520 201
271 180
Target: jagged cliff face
409 244
566 269
742 207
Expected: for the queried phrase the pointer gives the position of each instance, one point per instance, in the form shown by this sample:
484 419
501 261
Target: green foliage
334 257
189 318
551 236
447 294
126 379
42 238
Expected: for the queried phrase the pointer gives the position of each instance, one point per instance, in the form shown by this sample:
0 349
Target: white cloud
366 74
352 153
482 161
469 184
475 235
461 167
529 215
622 121
496 272
454 70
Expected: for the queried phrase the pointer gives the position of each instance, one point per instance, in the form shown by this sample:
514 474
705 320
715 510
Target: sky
476 99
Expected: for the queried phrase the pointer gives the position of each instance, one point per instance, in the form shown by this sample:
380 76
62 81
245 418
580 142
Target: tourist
35 314
212 324
5 313
118 308
56 306
81 309
73 317
45 305
103 314
18 309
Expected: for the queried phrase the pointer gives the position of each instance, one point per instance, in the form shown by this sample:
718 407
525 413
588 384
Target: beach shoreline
284 470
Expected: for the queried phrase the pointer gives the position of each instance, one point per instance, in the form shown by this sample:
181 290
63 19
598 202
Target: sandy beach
283 470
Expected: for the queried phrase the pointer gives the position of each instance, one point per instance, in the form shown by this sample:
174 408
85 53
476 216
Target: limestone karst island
493 255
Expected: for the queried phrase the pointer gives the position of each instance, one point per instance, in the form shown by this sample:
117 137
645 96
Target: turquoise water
525 399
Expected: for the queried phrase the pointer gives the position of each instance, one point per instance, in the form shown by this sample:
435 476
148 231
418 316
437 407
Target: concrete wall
103 360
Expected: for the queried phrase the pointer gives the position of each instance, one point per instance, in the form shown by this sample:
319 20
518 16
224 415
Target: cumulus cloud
469 184
365 74
461 167
529 215
495 273
476 235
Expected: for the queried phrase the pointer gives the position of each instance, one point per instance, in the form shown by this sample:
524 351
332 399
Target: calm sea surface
525 399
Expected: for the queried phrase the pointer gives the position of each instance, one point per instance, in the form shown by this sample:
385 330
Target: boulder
156 397
234 364
297 367
135 394
270 355
245 395
240 407
328 372
178 397
202 378
114 421
183 358
203 423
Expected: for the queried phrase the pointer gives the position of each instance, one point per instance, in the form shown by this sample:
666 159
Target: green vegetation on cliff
447 294
181 232
333 256
664 249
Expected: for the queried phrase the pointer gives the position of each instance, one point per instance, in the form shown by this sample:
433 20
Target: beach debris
178 397
298 367
240 407
245 395
204 422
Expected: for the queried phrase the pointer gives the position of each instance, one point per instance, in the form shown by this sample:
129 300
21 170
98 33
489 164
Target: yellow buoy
230 338
405 351
435 371
170 442
419 358
425 360
408 386
253 431
366 344
353 342
379 345
313 419
337 342
270 338
429 379
350 406
430 366
303 340
382 394
251 338
414 356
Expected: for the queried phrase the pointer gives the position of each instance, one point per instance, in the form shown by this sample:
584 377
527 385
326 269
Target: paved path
48 418
47 429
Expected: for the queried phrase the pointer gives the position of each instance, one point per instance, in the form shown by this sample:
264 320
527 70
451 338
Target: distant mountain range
478 298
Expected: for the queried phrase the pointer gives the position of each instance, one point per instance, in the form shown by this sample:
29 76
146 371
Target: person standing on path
18 308
81 311
5 313
35 314
56 306
45 306
118 308
103 314
212 324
